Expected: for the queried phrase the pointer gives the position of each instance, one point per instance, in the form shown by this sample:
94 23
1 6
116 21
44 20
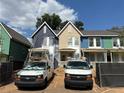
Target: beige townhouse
69 42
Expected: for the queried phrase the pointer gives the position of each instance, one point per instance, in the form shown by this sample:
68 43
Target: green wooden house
13 46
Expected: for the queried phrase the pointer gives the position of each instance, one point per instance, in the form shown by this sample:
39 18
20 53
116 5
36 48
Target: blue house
102 46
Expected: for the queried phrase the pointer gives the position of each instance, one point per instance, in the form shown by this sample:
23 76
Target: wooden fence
6 72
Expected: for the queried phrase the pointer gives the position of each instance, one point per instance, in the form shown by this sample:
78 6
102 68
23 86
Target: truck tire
66 86
45 83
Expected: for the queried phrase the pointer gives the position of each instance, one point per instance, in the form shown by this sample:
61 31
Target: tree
63 24
52 20
55 22
79 25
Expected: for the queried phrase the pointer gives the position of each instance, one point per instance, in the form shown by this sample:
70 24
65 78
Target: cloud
22 14
52 6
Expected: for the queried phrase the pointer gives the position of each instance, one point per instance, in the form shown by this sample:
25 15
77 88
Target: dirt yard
57 86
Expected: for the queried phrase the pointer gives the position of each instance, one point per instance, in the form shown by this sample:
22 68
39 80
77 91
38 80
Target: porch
65 54
103 55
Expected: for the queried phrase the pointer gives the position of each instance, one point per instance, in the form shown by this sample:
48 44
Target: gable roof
15 35
56 31
44 23
99 33
67 26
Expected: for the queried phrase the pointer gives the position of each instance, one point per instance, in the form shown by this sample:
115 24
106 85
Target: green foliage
79 25
56 23
52 20
63 24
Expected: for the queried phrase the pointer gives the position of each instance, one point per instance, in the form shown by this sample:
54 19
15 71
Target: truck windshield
77 65
35 65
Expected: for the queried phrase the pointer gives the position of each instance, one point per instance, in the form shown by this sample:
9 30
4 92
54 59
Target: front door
108 57
63 57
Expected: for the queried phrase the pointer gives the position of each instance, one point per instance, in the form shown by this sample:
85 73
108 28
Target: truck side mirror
91 67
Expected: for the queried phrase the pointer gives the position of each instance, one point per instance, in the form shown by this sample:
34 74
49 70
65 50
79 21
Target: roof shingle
16 36
99 33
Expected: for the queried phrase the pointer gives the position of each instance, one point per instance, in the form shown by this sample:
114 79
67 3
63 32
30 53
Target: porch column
95 57
111 57
120 58
105 57
59 58
83 53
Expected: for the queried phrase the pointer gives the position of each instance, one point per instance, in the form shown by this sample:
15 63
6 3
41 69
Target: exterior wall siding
18 51
106 42
84 42
64 36
5 41
40 35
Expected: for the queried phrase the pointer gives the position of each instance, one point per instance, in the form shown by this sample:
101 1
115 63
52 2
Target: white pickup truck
34 74
78 74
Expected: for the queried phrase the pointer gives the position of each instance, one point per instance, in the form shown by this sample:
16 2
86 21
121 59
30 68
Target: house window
98 42
51 41
46 41
122 42
115 42
44 30
76 41
91 40
70 41
94 42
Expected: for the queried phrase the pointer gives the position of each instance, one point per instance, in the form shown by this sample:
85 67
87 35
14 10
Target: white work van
38 70
78 74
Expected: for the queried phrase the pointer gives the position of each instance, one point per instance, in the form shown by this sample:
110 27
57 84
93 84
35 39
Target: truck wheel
66 86
45 83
